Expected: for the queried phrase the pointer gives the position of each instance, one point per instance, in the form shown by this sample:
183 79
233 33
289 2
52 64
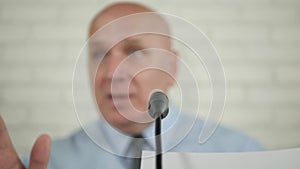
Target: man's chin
117 119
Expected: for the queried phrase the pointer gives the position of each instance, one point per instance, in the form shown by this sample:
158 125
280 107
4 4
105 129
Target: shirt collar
116 142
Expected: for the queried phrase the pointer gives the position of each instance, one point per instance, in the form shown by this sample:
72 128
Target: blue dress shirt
100 146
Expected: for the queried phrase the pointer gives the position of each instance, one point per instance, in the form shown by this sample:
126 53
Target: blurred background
258 42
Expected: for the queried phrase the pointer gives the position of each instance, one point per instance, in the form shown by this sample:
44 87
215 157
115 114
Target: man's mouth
120 98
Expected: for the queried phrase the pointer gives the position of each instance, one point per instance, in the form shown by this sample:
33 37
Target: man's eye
98 55
136 53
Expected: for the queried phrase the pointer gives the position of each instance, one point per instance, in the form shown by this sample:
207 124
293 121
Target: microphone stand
158 109
158 159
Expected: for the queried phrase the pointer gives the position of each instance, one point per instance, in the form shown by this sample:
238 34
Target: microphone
158 105
158 109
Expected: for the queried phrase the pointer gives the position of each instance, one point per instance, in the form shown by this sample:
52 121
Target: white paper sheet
279 159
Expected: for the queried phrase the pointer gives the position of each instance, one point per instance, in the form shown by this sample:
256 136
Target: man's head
125 72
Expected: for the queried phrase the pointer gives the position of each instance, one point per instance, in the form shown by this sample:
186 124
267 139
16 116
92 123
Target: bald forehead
118 10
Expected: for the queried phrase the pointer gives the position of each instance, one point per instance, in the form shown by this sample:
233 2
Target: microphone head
158 105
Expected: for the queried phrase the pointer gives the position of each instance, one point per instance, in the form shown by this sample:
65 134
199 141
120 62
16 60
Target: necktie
135 151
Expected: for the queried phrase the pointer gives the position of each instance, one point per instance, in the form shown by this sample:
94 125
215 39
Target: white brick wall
258 41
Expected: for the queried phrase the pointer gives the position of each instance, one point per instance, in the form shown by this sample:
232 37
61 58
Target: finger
8 155
40 153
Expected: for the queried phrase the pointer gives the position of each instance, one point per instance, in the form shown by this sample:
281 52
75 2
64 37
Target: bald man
122 82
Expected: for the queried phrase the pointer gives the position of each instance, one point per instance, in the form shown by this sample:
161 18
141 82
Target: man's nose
116 68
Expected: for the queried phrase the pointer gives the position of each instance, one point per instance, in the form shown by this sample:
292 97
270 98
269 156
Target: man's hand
9 159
